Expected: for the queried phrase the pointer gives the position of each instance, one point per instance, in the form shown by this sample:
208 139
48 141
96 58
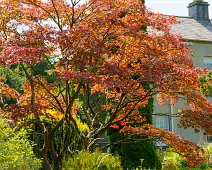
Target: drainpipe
171 121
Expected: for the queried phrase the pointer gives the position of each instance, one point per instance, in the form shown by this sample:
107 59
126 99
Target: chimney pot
198 9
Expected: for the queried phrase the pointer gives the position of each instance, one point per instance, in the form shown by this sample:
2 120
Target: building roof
193 30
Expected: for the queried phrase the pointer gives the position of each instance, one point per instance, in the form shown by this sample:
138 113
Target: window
163 122
209 139
207 61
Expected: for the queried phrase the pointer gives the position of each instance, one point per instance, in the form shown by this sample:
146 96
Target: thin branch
72 99
73 13
68 16
118 108
84 11
58 17
68 110
106 125
67 142
163 114
48 91
61 93
89 105
31 84
43 10
54 129
84 106
132 109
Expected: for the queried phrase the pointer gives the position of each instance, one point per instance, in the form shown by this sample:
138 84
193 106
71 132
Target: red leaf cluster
101 47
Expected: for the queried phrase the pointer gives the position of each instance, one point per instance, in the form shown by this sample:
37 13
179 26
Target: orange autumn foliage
100 47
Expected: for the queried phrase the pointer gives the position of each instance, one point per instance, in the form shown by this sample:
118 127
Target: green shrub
173 160
208 154
92 161
203 166
171 164
132 154
15 151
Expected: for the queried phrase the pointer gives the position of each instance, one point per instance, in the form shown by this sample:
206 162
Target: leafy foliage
208 154
90 49
94 161
171 165
172 160
15 150
14 77
7 93
42 69
130 153
206 84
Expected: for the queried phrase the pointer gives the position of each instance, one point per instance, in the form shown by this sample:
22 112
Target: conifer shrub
131 154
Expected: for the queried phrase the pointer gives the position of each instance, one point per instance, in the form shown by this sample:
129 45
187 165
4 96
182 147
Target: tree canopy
96 50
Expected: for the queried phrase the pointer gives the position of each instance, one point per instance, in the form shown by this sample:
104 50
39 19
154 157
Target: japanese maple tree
98 49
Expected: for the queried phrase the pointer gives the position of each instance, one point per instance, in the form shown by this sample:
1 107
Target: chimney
198 9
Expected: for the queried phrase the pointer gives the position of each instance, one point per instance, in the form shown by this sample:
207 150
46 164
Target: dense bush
92 161
171 164
208 154
173 161
15 151
131 154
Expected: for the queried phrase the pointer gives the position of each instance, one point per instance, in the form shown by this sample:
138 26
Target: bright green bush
15 151
171 164
208 154
92 161
172 160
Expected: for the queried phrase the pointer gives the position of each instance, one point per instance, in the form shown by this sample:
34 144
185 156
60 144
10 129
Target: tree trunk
45 164
57 164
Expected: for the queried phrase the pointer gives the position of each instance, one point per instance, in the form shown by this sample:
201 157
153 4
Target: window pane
163 122
207 62
209 139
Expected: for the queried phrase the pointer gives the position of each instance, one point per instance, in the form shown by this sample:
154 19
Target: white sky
173 7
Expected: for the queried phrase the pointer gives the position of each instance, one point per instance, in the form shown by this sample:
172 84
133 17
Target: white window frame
163 122
207 62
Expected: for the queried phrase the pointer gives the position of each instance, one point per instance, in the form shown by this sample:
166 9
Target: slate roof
193 30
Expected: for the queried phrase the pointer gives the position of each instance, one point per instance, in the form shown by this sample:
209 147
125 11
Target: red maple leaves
101 48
